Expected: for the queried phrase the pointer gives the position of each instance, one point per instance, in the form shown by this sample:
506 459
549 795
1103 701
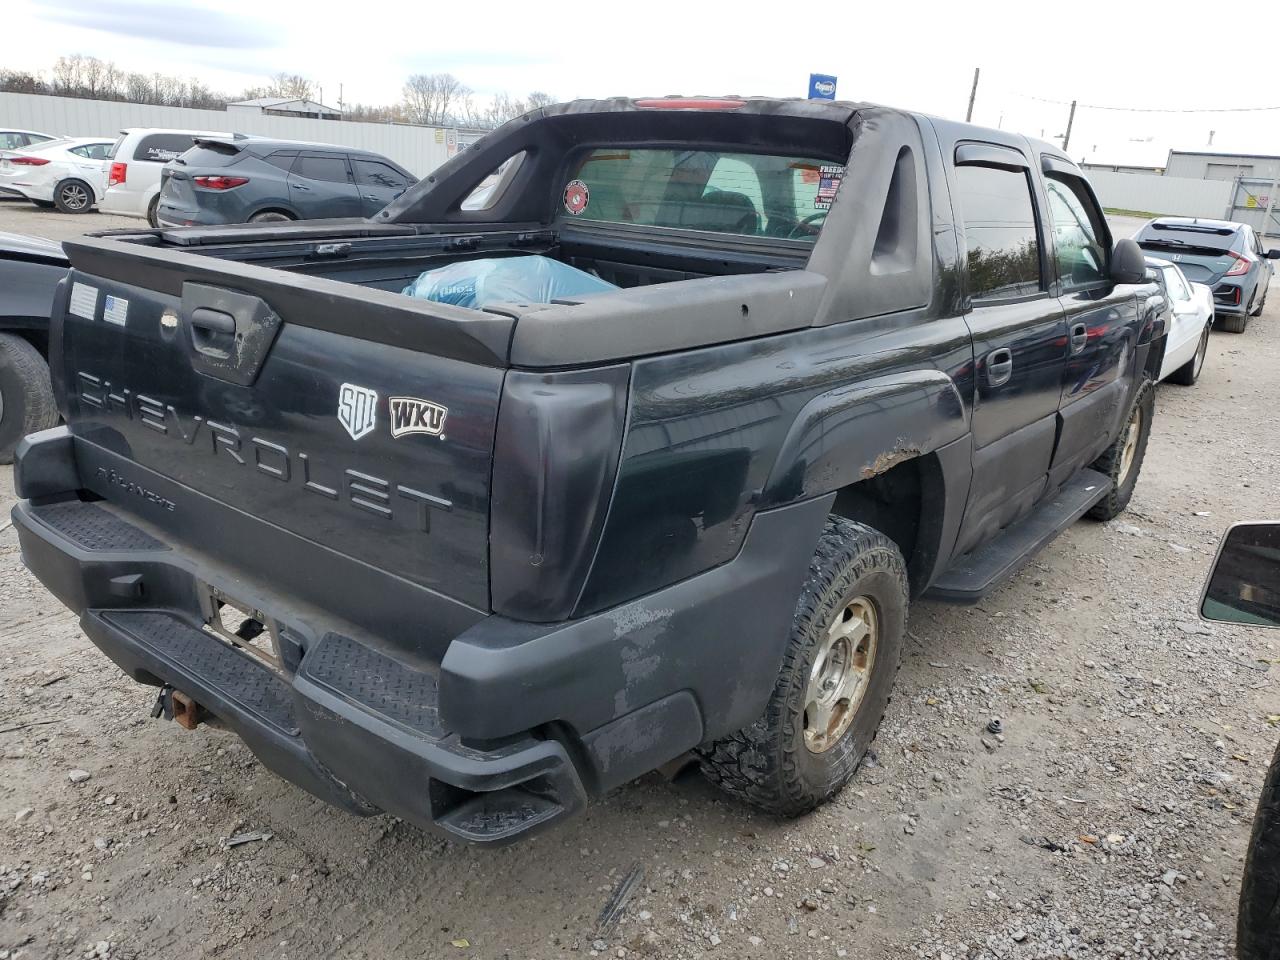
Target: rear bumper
515 728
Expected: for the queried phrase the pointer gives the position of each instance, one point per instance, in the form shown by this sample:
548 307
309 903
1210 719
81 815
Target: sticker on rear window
576 197
115 310
84 300
828 184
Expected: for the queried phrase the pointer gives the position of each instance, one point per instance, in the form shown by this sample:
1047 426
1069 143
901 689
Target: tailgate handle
212 332
229 333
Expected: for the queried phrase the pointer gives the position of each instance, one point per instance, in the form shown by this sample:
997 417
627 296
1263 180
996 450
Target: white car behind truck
1190 320
133 170
64 173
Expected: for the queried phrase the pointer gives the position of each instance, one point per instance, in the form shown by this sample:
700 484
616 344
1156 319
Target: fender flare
858 431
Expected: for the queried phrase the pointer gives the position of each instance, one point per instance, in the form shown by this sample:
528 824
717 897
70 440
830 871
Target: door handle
298 186
999 367
1079 337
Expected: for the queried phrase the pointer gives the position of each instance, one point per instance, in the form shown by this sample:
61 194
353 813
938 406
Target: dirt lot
1108 820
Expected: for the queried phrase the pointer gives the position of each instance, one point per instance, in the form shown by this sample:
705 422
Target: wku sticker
411 415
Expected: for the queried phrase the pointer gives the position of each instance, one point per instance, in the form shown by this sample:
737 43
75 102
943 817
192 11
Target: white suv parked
133 171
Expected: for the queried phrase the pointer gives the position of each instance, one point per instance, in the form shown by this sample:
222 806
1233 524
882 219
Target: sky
1034 58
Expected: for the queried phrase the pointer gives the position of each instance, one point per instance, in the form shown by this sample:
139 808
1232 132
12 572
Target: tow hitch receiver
175 705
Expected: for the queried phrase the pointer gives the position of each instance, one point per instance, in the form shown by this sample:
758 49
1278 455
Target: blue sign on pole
822 86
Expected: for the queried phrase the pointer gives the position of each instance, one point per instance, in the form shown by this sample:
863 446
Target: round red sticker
576 196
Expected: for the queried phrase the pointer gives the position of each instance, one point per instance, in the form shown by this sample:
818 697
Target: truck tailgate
358 420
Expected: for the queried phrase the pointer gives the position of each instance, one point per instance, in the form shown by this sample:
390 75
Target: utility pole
1071 118
973 93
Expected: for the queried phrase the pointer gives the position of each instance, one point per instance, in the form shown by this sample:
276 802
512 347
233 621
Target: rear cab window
748 195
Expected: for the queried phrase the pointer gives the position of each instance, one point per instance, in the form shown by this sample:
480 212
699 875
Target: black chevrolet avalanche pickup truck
474 565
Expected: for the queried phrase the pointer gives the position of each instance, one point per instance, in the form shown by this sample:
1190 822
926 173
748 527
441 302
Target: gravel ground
1108 819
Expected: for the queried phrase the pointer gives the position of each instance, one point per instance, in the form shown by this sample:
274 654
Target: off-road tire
1258 923
26 393
1111 461
1187 374
1234 324
768 764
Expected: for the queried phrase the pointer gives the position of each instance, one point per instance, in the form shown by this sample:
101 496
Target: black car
251 180
1227 256
474 565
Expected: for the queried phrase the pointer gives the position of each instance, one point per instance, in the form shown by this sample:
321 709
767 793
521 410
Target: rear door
1101 320
379 183
321 186
1019 337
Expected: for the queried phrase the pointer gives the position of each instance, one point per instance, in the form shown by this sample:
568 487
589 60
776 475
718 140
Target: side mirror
1128 264
1273 253
1244 583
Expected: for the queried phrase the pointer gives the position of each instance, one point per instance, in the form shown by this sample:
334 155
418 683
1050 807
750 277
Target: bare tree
433 98
137 88
19 81
504 107
100 79
68 75
290 85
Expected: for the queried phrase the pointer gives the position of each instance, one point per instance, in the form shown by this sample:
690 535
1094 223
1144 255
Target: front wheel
1122 461
1258 923
837 674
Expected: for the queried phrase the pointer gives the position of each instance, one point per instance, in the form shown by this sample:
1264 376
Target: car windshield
739 193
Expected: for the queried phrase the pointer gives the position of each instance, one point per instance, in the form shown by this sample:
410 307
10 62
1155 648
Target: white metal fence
418 149
1171 196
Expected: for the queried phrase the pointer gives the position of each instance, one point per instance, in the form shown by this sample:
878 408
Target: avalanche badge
411 415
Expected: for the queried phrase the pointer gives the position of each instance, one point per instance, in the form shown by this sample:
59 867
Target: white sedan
65 173
1190 320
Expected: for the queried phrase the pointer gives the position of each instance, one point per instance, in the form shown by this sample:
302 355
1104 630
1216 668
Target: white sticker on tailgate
84 300
115 310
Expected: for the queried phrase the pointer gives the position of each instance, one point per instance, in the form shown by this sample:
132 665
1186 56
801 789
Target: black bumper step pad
376 682
210 662
95 528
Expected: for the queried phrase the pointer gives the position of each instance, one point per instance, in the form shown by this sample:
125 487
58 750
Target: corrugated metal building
1205 165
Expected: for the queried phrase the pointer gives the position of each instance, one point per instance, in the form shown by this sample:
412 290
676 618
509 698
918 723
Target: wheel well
283 211
37 338
88 186
894 503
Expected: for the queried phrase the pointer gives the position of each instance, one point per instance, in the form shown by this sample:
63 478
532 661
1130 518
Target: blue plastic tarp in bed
476 283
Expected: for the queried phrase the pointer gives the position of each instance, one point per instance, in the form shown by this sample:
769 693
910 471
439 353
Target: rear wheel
1234 324
269 216
1258 924
152 217
1189 372
26 395
1122 461
837 674
73 196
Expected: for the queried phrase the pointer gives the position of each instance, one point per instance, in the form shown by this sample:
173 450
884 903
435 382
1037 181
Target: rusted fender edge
859 431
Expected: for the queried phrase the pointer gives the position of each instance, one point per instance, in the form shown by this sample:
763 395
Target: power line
1096 106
